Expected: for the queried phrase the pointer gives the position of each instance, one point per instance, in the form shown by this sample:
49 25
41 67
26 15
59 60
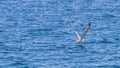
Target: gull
80 38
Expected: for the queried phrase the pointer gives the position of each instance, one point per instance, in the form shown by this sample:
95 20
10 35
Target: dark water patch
38 32
1 31
108 16
109 66
52 18
44 49
41 29
117 57
117 39
104 40
9 25
21 64
9 48
117 45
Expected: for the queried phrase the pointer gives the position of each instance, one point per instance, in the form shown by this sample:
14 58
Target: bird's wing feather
86 30
77 34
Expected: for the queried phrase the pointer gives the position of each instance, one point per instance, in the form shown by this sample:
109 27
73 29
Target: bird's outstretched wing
85 30
77 34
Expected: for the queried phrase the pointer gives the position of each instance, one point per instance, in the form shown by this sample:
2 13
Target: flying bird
80 38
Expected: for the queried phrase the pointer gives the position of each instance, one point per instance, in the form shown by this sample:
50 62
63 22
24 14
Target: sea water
35 34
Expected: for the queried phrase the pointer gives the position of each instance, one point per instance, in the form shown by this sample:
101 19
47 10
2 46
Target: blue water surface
35 34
